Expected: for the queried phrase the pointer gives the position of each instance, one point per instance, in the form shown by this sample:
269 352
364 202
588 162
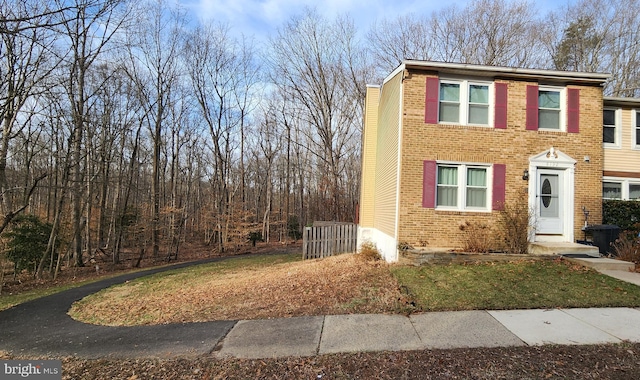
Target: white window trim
634 129
463 116
618 130
563 108
462 186
624 182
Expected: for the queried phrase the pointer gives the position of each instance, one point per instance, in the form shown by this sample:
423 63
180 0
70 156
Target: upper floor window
464 102
609 127
549 109
553 109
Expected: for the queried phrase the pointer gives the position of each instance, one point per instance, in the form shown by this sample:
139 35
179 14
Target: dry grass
336 285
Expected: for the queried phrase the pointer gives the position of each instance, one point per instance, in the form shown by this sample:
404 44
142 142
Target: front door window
549 196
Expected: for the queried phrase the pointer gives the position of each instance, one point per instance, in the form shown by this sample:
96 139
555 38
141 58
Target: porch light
525 175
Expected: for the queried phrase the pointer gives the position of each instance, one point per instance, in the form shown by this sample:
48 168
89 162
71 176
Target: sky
260 18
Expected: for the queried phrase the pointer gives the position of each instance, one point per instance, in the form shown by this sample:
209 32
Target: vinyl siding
625 158
387 156
369 141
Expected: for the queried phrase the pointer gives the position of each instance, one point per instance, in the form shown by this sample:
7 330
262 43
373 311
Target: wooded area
128 125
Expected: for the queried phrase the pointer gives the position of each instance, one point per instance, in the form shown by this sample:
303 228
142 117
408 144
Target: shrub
514 222
368 252
293 228
623 214
477 237
404 246
27 241
255 236
627 245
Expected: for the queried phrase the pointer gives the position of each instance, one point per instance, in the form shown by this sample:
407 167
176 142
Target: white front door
550 202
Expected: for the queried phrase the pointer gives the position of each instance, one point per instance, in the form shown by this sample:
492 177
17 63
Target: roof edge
509 72
616 101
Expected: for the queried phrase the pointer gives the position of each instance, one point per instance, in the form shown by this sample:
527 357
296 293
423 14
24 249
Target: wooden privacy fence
328 240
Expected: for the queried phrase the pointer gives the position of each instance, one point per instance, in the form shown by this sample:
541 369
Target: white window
612 190
465 102
550 108
636 130
610 128
627 189
463 187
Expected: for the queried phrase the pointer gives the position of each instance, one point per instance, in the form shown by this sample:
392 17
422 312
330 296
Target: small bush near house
368 252
513 228
477 237
404 246
627 245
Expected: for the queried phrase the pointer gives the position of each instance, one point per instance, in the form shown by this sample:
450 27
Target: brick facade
512 147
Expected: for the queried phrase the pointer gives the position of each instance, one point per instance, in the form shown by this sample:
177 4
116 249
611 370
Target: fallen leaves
335 285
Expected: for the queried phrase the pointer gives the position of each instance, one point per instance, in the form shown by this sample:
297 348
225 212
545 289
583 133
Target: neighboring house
445 144
621 140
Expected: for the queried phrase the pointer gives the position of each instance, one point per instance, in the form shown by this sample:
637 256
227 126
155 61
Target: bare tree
27 61
316 65
154 67
89 28
624 50
406 37
487 32
222 77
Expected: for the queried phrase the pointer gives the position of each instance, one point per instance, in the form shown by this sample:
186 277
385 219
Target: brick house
621 140
445 144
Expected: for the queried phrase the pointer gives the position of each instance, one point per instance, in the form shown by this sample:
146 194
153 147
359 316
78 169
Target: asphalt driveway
42 327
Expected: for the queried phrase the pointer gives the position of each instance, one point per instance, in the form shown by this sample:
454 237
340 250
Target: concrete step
561 248
603 263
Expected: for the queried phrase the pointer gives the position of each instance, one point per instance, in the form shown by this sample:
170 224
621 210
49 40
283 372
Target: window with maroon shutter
532 108
499 186
573 110
431 101
462 187
500 121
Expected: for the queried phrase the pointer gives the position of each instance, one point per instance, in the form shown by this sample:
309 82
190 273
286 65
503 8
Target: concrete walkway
307 336
42 327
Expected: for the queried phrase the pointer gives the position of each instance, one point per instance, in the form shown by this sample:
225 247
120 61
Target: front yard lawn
529 284
276 286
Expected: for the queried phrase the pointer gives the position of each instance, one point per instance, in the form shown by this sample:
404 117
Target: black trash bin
603 236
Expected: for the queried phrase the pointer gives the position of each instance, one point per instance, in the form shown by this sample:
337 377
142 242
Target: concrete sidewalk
308 336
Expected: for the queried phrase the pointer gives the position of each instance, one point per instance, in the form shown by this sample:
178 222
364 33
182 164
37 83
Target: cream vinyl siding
625 158
369 140
387 156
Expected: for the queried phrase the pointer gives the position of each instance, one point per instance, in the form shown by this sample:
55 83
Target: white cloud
261 18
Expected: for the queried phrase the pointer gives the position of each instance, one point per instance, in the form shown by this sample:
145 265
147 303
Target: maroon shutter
500 121
499 179
573 110
431 101
429 169
532 108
